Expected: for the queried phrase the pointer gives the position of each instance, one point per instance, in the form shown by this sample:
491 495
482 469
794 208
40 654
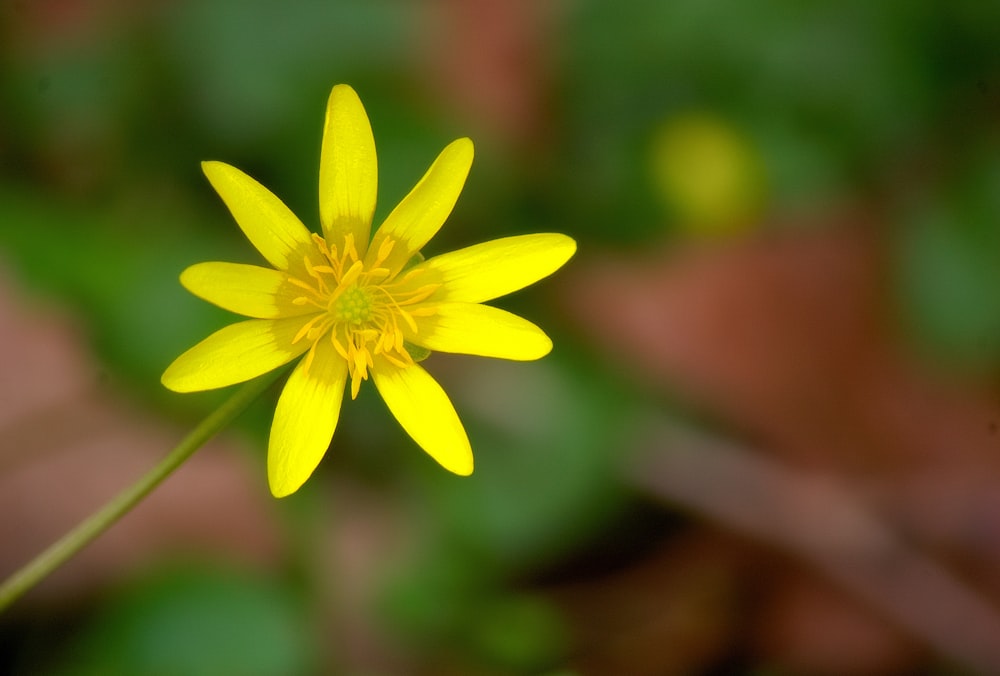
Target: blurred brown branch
821 519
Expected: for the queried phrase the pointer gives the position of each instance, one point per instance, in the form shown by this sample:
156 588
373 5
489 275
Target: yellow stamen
363 309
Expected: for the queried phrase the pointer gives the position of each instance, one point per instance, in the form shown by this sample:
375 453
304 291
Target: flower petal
269 225
422 213
235 354
348 171
492 269
469 328
305 419
245 289
426 413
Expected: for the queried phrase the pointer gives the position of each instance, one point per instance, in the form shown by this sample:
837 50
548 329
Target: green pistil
353 306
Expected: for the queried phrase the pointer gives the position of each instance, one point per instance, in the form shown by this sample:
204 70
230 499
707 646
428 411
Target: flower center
352 307
364 310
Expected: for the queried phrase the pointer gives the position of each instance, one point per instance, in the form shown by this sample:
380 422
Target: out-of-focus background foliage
766 440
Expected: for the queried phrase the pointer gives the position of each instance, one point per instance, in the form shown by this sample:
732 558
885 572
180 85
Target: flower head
359 306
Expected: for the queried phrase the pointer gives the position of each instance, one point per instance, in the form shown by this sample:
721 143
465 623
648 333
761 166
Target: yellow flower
357 305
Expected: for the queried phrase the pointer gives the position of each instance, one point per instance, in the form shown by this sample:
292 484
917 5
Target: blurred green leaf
197 621
520 633
948 272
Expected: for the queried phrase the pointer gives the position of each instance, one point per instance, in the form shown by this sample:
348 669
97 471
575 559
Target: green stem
88 530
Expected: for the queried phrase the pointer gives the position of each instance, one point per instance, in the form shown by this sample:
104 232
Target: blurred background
766 441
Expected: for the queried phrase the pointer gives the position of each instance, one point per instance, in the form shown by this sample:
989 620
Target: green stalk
88 530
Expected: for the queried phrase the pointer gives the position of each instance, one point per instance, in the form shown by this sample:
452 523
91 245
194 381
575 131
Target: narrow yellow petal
305 419
492 269
426 413
348 170
265 220
248 290
422 213
235 354
469 328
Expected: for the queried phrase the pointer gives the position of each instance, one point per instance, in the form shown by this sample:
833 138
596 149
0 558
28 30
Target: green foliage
197 621
949 266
